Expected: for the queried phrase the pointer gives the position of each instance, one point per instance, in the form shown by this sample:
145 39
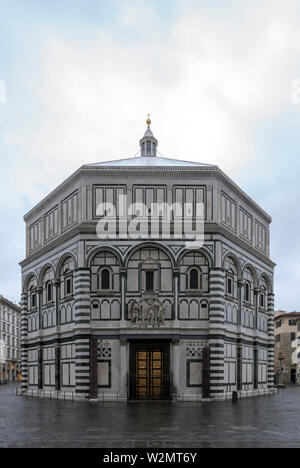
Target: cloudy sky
220 79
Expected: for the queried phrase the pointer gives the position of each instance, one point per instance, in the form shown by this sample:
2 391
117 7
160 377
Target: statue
147 312
160 314
134 312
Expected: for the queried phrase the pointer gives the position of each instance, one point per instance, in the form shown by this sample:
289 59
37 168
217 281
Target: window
68 286
49 292
70 211
292 323
228 210
149 281
278 324
230 286
110 195
247 292
260 236
293 336
51 224
33 300
187 199
194 279
262 300
149 196
105 279
245 225
278 338
35 235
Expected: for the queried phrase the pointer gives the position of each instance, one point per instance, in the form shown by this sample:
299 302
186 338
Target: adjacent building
149 316
286 345
10 360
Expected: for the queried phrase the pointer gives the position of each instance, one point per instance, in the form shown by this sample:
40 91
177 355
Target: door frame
150 344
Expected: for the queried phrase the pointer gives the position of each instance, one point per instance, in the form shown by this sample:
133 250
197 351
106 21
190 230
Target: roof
288 315
9 304
143 161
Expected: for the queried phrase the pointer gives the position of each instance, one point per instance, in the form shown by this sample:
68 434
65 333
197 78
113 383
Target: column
56 285
82 287
93 369
216 333
206 372
240 284
40 368
124 371
256 306
82 367
123 294
239 367
176 273
23 343
57 368
175 368
40 306
271 340
255 362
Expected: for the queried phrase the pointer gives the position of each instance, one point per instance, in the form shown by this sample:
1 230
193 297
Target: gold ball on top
148 121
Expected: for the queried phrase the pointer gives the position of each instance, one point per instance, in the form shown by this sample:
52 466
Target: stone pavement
271 421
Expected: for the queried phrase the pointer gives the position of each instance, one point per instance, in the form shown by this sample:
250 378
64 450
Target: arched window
247 292
33 302
230 283
262 299
49 292
68 285
105 279
66 278
194 279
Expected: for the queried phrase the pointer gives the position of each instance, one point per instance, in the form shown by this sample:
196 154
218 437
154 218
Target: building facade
10 333
147 316
286 329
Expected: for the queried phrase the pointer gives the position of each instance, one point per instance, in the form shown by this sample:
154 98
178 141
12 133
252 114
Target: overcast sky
219 79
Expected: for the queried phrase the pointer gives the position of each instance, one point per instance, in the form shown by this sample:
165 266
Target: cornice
213 171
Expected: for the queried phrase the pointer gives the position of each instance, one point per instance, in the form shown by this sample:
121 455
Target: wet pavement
270 421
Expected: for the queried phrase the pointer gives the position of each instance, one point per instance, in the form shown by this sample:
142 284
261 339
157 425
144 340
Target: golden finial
148 121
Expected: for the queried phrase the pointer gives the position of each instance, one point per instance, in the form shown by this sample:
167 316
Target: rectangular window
35 235
51 224
149 196
245 224
109 194
70 210
228 211
188 199
229 286
260 236
149 281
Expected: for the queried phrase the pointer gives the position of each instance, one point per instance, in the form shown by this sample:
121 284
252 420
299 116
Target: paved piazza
271 421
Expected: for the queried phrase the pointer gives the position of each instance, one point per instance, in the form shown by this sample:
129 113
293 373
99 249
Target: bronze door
150 372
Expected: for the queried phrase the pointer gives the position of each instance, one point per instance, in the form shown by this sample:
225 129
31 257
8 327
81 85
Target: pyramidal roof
142 161
147 157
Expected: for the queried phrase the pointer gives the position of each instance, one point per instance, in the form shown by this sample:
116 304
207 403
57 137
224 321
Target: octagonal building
147 316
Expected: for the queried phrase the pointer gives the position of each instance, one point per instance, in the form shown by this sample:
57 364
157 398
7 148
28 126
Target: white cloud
206 82
209 78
